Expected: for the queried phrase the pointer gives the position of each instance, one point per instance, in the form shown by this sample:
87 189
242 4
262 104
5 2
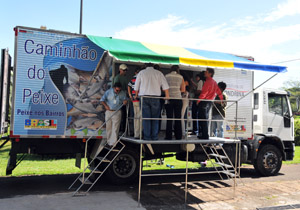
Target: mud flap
11 164
78 160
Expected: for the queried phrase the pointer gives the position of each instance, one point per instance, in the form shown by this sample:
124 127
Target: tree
293 87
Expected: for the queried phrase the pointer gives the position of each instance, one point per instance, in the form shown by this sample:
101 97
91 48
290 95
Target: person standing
218 112
122 79
136 104
200 79
209 91
174 107
149 83
185 102
112 99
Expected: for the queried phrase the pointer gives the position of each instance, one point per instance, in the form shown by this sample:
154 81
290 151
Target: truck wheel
125 168
269 160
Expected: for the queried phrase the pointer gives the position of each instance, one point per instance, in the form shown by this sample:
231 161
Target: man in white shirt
149 82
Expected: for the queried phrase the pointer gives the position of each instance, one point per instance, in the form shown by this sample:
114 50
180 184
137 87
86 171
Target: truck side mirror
297 103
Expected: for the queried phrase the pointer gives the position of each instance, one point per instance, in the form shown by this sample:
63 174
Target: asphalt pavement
206 191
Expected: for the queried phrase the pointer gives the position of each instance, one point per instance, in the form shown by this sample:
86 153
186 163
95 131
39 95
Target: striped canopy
125 50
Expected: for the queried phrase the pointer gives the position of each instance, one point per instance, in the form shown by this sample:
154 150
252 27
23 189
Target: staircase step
218 156
97 171
216 146
80 194
228 173
85 181
103 160
112 149
225 165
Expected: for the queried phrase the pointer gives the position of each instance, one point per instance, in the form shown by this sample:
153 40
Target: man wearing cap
121 77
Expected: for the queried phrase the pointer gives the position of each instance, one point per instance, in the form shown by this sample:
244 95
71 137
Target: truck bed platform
189 140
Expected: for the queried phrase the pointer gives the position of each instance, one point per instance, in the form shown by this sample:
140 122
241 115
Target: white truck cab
273 129
272 114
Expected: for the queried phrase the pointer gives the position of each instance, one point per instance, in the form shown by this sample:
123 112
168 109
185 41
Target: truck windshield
278 104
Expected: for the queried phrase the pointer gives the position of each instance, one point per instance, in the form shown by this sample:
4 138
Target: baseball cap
123 66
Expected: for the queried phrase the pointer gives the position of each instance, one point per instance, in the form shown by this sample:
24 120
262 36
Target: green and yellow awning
125 50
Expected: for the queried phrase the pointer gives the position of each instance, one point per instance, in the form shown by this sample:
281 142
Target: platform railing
188 120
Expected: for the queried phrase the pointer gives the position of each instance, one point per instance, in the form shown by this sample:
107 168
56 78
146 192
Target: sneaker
203 164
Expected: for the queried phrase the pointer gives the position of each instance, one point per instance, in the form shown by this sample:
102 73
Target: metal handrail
235 101
189 120
86 143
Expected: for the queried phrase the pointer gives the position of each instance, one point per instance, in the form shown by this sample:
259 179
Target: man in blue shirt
112 100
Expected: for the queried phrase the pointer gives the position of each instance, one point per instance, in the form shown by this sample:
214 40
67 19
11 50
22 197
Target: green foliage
297 131
293 87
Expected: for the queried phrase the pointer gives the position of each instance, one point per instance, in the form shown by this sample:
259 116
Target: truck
58 78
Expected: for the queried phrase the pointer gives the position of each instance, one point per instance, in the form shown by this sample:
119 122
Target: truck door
279 120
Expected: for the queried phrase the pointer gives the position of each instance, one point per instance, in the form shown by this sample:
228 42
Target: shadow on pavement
163 192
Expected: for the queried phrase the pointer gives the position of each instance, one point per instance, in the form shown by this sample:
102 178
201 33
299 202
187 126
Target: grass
168 164
296 158
35 165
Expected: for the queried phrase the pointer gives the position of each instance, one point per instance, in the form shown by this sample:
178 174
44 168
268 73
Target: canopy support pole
258 86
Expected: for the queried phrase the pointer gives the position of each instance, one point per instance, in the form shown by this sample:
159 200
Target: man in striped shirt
136 104
173 108
209 91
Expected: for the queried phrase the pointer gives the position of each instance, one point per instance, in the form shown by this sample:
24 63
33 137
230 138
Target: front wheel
269 160
124 168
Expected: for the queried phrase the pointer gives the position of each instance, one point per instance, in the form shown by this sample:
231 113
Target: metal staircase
97 166
222 163
101 158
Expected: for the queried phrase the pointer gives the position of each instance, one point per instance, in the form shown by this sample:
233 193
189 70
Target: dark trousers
130 130
203 111
123 119
150 109
173 110
195 116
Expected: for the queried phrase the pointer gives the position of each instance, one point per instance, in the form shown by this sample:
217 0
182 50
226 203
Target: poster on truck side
59 80
239 106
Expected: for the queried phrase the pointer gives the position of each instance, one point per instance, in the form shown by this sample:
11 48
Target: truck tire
125 168
269 160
